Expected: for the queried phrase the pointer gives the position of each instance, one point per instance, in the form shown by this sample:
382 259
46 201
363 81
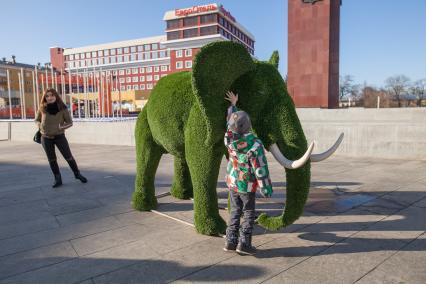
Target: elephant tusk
289 164
329 152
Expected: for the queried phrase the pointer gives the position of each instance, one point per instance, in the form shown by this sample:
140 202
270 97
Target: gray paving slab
405 266
364 221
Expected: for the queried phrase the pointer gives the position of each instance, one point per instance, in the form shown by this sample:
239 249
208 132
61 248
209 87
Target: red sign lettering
195 9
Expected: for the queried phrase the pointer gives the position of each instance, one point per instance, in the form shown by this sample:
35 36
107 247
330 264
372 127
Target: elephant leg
182 185
204 167
148 155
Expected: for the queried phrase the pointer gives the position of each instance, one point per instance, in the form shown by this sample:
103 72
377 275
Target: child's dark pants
241 204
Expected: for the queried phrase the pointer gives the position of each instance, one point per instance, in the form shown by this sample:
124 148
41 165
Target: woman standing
52 119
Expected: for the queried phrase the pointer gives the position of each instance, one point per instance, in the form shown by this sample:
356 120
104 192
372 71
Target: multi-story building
17 88
135 66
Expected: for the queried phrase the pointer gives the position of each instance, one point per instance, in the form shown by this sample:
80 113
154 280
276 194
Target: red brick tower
313 52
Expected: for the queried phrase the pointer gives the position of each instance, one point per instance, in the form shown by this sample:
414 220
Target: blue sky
379 38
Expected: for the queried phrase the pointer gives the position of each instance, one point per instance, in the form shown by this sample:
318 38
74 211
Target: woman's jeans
49 147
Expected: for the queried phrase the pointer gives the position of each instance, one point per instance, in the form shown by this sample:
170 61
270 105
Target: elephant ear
215 69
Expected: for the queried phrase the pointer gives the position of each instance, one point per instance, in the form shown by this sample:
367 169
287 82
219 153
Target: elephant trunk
291 141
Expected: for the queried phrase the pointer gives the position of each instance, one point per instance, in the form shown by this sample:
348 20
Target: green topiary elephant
185 116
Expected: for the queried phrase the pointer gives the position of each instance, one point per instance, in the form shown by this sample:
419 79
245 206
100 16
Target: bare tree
418 88
397 85
345 86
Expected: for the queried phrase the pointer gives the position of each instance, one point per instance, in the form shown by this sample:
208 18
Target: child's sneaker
243 248
229 246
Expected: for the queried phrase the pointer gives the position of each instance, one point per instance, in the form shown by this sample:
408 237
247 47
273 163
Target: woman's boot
58 181
55 169
74 168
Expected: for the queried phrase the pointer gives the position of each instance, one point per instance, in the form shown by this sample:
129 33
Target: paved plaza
364 222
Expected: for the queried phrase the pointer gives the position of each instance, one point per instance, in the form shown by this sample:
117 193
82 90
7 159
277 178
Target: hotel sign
195 10
202 9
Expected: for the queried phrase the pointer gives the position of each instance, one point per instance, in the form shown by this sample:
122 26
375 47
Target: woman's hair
59 102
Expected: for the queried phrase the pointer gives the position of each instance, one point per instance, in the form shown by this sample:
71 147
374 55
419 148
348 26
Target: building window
190 21
126 58
179 65
188 64
156 77
190 33
173 35
133 49
94 54
153 55
77 56
129 87
147 47
119 51
142 86
173 24
126 50
136 87
140 48
112 59
156 68
154 46
133 58
87 54
142 70
135 79
128 71
178 53
149 78
149 86
188 52
147 55
106 52
83 56
208 30
164 68
113 51
128 79
148 69
122 80
121 72
142 78
134 70
119 59
123 88
162 54
211 18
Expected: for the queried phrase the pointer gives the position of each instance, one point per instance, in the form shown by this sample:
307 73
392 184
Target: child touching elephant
247 171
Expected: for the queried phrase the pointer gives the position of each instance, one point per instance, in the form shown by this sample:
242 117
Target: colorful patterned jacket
247 167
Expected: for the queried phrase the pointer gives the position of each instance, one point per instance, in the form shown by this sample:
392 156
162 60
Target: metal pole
10 97
23 93
110 94
20 93
70 90
34 95
103 94
78 95
52 77
47 80
37 88
42 84
378 102
98 80
119 98
85 94
107 92
116 89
